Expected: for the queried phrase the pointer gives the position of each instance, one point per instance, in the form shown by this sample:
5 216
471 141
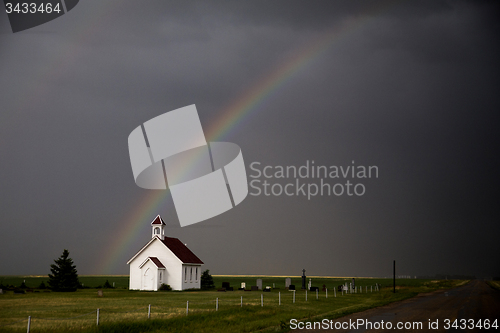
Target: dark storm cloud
411 89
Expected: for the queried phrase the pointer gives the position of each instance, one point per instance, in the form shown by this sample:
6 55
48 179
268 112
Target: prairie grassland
494 284
92 281
121 310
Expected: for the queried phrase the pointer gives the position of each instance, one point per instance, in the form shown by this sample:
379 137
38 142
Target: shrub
165 287
207 281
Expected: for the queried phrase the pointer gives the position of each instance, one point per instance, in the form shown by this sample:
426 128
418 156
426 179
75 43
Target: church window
157 231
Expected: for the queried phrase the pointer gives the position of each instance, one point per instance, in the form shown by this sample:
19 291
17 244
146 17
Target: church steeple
157 227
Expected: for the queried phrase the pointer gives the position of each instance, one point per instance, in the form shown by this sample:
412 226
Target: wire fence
158 311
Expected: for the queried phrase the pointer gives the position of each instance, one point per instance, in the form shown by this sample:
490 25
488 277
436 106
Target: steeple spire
157 228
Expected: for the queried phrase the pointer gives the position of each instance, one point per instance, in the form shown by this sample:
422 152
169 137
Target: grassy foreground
494 284
121 310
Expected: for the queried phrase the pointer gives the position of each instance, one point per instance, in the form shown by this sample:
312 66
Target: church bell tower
158 228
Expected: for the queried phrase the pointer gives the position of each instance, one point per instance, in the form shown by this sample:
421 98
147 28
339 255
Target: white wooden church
164 260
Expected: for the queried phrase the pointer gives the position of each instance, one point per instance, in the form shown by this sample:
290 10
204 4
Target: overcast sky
411 87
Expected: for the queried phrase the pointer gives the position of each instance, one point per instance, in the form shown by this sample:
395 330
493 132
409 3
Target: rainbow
143 212
231 117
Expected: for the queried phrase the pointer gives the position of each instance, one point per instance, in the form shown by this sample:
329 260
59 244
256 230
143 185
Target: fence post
279 297
241 302
187 308
294 296
97 317
29 323
149 311
306 295
261 299
326 293
316 293
334 292
217 304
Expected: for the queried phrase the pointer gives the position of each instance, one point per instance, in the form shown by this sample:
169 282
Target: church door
147 280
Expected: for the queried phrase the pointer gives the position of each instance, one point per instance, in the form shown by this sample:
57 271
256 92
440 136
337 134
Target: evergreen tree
64 276
207 281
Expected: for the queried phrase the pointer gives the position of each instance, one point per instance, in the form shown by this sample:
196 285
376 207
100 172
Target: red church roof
157 262
158 220
181 251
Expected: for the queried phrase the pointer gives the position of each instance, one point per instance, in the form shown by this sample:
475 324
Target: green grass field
121 310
